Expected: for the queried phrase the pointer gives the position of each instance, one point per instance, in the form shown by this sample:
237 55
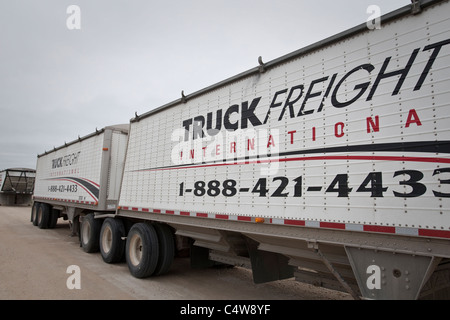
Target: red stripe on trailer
93 203
202 215
222 216
434 233
329 225
383 229
294 222
312 158
94 183
332 225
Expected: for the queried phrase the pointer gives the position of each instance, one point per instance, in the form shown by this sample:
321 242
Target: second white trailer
80 176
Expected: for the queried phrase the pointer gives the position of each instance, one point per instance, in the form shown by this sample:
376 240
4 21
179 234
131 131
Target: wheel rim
135 250
107 239
85 232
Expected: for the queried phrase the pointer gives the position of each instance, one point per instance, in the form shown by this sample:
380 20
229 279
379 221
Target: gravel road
34 264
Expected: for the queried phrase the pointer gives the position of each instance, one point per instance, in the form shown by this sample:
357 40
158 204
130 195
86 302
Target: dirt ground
34 264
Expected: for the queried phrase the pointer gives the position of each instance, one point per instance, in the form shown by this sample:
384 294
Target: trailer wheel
43 216
142 250
112 246
166 248
90 233
54 215
34 213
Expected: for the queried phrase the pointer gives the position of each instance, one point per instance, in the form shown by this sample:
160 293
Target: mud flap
268 266
388 275
200 257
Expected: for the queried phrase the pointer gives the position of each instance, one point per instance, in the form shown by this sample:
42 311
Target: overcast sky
132 56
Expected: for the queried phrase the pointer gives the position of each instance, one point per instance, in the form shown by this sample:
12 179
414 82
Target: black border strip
435 147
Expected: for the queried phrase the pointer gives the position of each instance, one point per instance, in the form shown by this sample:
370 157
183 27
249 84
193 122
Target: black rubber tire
34 213
166 248
43 216
54 215
142 250
90 233
112 247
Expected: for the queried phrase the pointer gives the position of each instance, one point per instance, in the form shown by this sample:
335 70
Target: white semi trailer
80 176
330 165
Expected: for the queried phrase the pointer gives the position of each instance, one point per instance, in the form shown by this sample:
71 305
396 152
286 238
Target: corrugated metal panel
350 131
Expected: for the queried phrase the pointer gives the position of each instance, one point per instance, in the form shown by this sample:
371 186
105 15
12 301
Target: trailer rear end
80 177
16 186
